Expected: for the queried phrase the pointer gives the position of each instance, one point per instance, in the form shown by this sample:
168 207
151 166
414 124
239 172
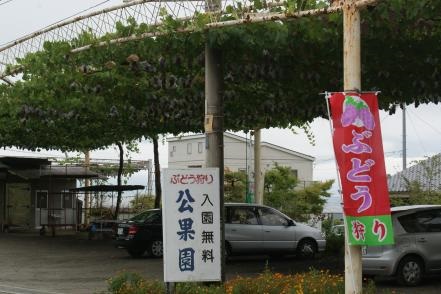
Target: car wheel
136 252
156 249
410 271
306 248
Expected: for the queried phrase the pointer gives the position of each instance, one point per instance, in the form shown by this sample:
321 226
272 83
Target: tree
282 193
235 186
155 86
142 202
119 179
280 179
311 199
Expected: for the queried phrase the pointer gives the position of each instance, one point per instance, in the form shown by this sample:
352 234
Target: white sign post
191 225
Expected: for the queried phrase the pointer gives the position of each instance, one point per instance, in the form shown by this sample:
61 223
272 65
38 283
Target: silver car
251 228
417 231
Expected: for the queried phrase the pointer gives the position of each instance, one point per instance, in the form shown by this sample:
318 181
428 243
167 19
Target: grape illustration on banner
356 112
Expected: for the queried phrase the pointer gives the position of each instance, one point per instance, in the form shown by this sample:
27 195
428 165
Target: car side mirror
290 223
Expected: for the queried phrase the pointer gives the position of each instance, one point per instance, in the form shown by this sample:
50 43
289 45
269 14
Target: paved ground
64 264
72 264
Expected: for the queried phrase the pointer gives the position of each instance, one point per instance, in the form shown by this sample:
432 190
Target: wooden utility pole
214 129
214 123
352 82
404 137
158 188
258 177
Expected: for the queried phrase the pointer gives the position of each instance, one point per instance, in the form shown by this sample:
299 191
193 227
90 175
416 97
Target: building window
172 151
194 166
200 147
295 173
188 148
67 200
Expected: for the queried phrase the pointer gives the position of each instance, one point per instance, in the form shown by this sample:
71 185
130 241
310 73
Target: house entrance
18 204
41 206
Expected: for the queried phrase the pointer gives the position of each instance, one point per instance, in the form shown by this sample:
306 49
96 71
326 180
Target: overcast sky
22 17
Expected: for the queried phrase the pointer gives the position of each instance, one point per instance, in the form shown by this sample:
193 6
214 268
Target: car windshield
145 216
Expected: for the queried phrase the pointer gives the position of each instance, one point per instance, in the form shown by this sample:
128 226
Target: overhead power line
59 21
78 13
3 3
425 122
417 134
98 23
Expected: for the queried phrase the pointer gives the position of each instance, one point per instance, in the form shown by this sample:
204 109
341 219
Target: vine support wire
265 17
102 22
98 23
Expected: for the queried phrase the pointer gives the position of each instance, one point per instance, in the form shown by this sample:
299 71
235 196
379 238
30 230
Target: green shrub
314 281
335 244
132 283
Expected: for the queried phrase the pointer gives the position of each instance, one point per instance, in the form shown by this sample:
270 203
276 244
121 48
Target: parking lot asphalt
70 263
65 264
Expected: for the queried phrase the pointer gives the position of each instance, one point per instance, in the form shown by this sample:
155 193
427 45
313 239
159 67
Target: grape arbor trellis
102 22
228 13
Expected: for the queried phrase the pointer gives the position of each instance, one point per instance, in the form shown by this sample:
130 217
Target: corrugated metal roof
108 188
21 162
427 173
55 171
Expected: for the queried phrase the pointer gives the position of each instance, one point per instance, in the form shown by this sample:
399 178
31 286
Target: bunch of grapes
352 113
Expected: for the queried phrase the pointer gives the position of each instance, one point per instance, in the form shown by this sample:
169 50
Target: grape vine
273 74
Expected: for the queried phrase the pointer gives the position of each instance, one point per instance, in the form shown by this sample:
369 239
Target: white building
189 151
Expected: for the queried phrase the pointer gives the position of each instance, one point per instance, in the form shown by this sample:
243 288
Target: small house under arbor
105 219
34 193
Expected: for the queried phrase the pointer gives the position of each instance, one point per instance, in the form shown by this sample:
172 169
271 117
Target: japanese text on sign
191 227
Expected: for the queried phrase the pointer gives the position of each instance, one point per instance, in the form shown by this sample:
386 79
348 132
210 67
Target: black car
141 233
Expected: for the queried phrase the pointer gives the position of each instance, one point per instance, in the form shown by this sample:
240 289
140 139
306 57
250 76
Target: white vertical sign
191 225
